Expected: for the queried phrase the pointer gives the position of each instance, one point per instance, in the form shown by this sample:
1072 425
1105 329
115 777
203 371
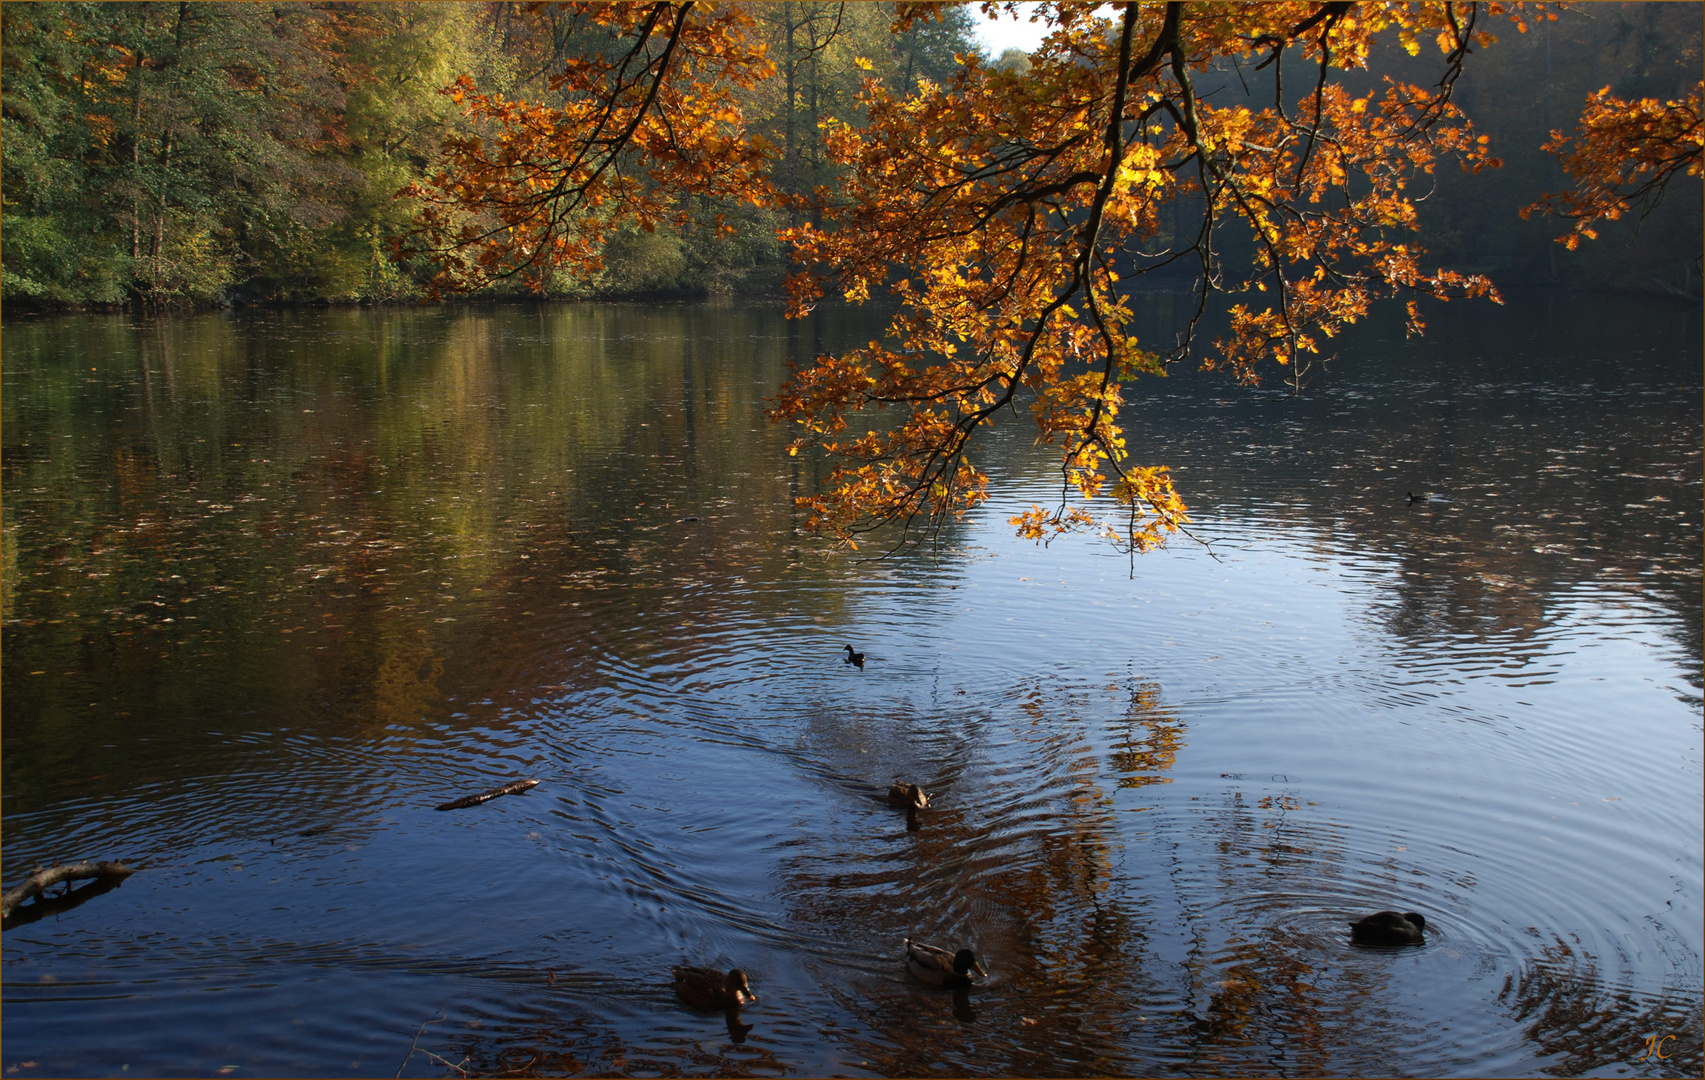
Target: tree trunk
160 216
136 165
816 132
789 159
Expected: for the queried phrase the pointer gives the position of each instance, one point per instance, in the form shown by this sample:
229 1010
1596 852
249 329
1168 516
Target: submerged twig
414 1048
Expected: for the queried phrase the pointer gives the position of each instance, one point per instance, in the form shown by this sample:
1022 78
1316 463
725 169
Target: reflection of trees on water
1269 984
1270 994
1150 740
1030 868
1253 1002
1584 1025
242 533
1022 866
1563 441
571 1039
339 515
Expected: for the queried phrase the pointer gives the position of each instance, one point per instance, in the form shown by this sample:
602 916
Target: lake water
277 584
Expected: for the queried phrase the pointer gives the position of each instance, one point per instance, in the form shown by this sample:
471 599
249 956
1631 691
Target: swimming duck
911 796
708 988
856 659
938 967
1388 928
1414 498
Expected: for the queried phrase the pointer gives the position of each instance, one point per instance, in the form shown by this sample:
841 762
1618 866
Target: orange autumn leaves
649 117
1622 155
1011 214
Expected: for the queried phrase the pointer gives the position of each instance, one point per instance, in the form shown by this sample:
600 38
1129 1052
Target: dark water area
277 584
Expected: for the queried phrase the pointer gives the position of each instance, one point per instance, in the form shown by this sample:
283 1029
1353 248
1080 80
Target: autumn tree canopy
1018 211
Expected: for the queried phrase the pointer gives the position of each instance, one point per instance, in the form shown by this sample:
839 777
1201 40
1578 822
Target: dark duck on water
707 988
910 796
856 659
938 967
1388 928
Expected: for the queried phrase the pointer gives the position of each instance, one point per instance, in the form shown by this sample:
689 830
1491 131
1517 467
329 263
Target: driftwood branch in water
59 905
487 796
53 875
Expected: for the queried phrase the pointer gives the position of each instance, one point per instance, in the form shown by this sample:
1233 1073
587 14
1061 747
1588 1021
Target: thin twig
415 1044
447 1063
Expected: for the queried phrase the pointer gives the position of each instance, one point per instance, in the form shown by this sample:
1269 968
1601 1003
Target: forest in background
210 153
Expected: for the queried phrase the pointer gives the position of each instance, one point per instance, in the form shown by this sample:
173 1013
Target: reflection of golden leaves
1584 1022
1151 741
1258 979
405 684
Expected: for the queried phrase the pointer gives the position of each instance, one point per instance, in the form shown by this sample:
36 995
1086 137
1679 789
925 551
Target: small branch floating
514 788
41 879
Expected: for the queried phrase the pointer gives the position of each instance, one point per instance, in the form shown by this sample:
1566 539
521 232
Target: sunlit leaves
650 116
1624 152
1012 214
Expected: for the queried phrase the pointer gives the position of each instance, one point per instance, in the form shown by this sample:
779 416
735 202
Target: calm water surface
276 585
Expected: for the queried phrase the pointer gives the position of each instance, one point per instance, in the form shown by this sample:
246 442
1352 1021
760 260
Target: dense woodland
198 153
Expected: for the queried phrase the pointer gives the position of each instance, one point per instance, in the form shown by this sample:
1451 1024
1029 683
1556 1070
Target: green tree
392 60
179 144
58 244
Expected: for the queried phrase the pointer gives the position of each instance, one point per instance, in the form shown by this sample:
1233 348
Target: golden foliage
1011 212
651 117
1623 152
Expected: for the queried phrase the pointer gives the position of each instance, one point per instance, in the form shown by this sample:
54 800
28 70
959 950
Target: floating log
43 906
513 788
53 875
